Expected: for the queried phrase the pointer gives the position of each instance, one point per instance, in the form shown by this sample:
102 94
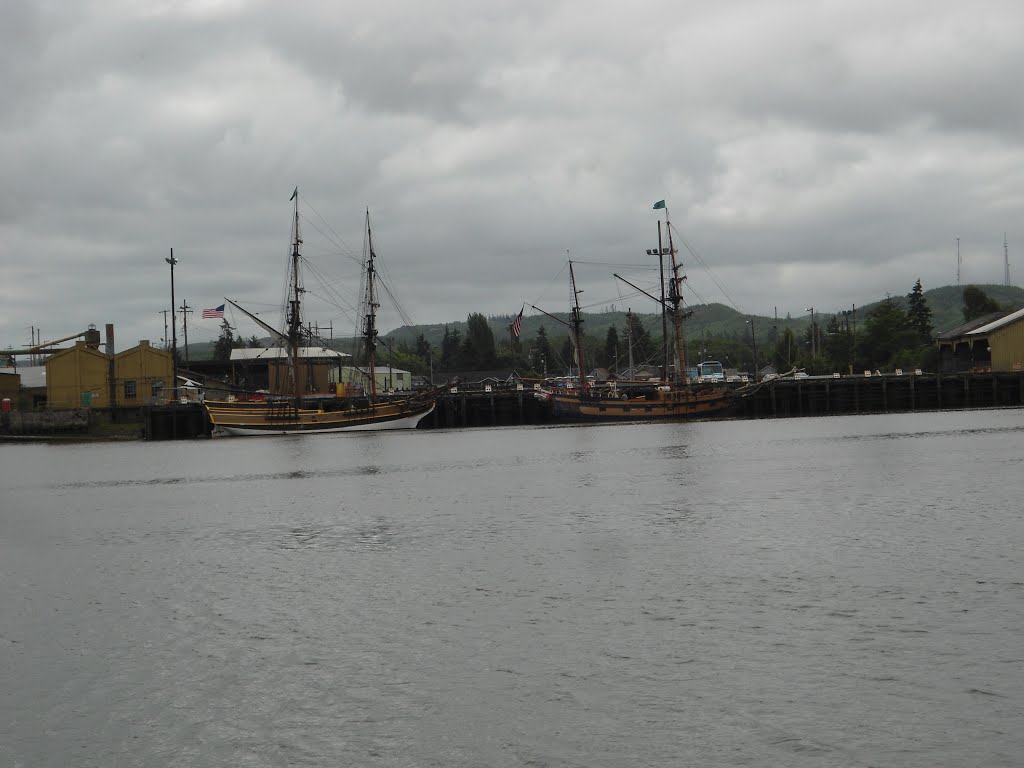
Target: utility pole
629 340
1006 259
186 310
174 332
753 338
814 346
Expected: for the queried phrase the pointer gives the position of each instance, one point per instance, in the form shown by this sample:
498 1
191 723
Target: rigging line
339 300
385 282
339 240
540 298
707 269
634 264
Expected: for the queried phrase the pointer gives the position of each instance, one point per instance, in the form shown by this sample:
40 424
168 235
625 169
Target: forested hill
716 320
708 321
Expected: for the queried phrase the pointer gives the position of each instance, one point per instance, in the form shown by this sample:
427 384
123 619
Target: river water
843 591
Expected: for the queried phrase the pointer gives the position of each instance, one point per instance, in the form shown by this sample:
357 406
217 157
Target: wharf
780 398
826 395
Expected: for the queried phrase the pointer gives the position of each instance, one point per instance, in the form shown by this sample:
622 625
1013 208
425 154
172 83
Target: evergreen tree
422 347
225 342
785 350
611 348
887 336
478 351
542 350
837 346
644 348
450 348
919 314
977 303
254 342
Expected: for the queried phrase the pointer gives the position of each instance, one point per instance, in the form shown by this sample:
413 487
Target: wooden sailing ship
291 412
674 398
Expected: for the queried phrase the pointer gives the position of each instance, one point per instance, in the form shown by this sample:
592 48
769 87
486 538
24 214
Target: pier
780 398
825 396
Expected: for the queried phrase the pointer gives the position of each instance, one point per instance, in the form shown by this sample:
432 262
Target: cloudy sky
816 153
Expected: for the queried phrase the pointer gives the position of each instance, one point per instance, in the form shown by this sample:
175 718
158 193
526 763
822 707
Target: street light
814 351
174 332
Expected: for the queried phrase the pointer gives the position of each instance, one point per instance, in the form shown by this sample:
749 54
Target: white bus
710 372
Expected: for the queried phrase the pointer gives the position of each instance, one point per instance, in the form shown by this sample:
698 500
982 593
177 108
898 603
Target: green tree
887 337
784 354
978 303
422 347
919 314
542 350
225 342
450 344
254 342
644 348
478 346
837 345
610 353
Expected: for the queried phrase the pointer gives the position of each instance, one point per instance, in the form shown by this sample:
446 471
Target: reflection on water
812 592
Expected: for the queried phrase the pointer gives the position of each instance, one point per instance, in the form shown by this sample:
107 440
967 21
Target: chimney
110 339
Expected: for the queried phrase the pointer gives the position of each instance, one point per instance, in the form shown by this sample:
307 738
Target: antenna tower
1006 260
958 262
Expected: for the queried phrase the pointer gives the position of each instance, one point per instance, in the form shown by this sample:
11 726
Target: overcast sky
812 153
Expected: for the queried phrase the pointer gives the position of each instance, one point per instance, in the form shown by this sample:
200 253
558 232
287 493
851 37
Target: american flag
517 324
216 313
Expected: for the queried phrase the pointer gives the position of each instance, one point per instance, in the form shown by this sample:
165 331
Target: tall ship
675 397
290 411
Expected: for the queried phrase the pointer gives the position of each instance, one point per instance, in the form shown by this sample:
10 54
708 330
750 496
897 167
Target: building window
400 376
129 390
156 389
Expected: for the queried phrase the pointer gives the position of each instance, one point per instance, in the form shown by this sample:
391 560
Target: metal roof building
994 342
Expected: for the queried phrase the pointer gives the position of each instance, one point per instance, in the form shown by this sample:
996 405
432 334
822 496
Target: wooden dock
823 396
781 398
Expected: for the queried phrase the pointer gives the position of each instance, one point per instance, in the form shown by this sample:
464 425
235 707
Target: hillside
716 320
708 321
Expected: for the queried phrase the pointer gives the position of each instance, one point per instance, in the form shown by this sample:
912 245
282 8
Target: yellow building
142 376
990 343
78 377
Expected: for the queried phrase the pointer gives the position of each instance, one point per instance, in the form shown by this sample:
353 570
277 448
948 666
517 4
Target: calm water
819 592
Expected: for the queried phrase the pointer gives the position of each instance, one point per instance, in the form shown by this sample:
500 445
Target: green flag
659 204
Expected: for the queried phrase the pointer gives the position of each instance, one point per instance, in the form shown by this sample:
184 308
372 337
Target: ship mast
577 330
370 322
294 318
675 297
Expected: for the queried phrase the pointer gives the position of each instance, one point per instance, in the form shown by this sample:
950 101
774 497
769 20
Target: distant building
142 376
78 377
268 369
348 378
498 379
10 385
994 342
84 377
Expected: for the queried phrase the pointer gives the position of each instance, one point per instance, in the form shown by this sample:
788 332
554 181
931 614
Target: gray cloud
811 154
